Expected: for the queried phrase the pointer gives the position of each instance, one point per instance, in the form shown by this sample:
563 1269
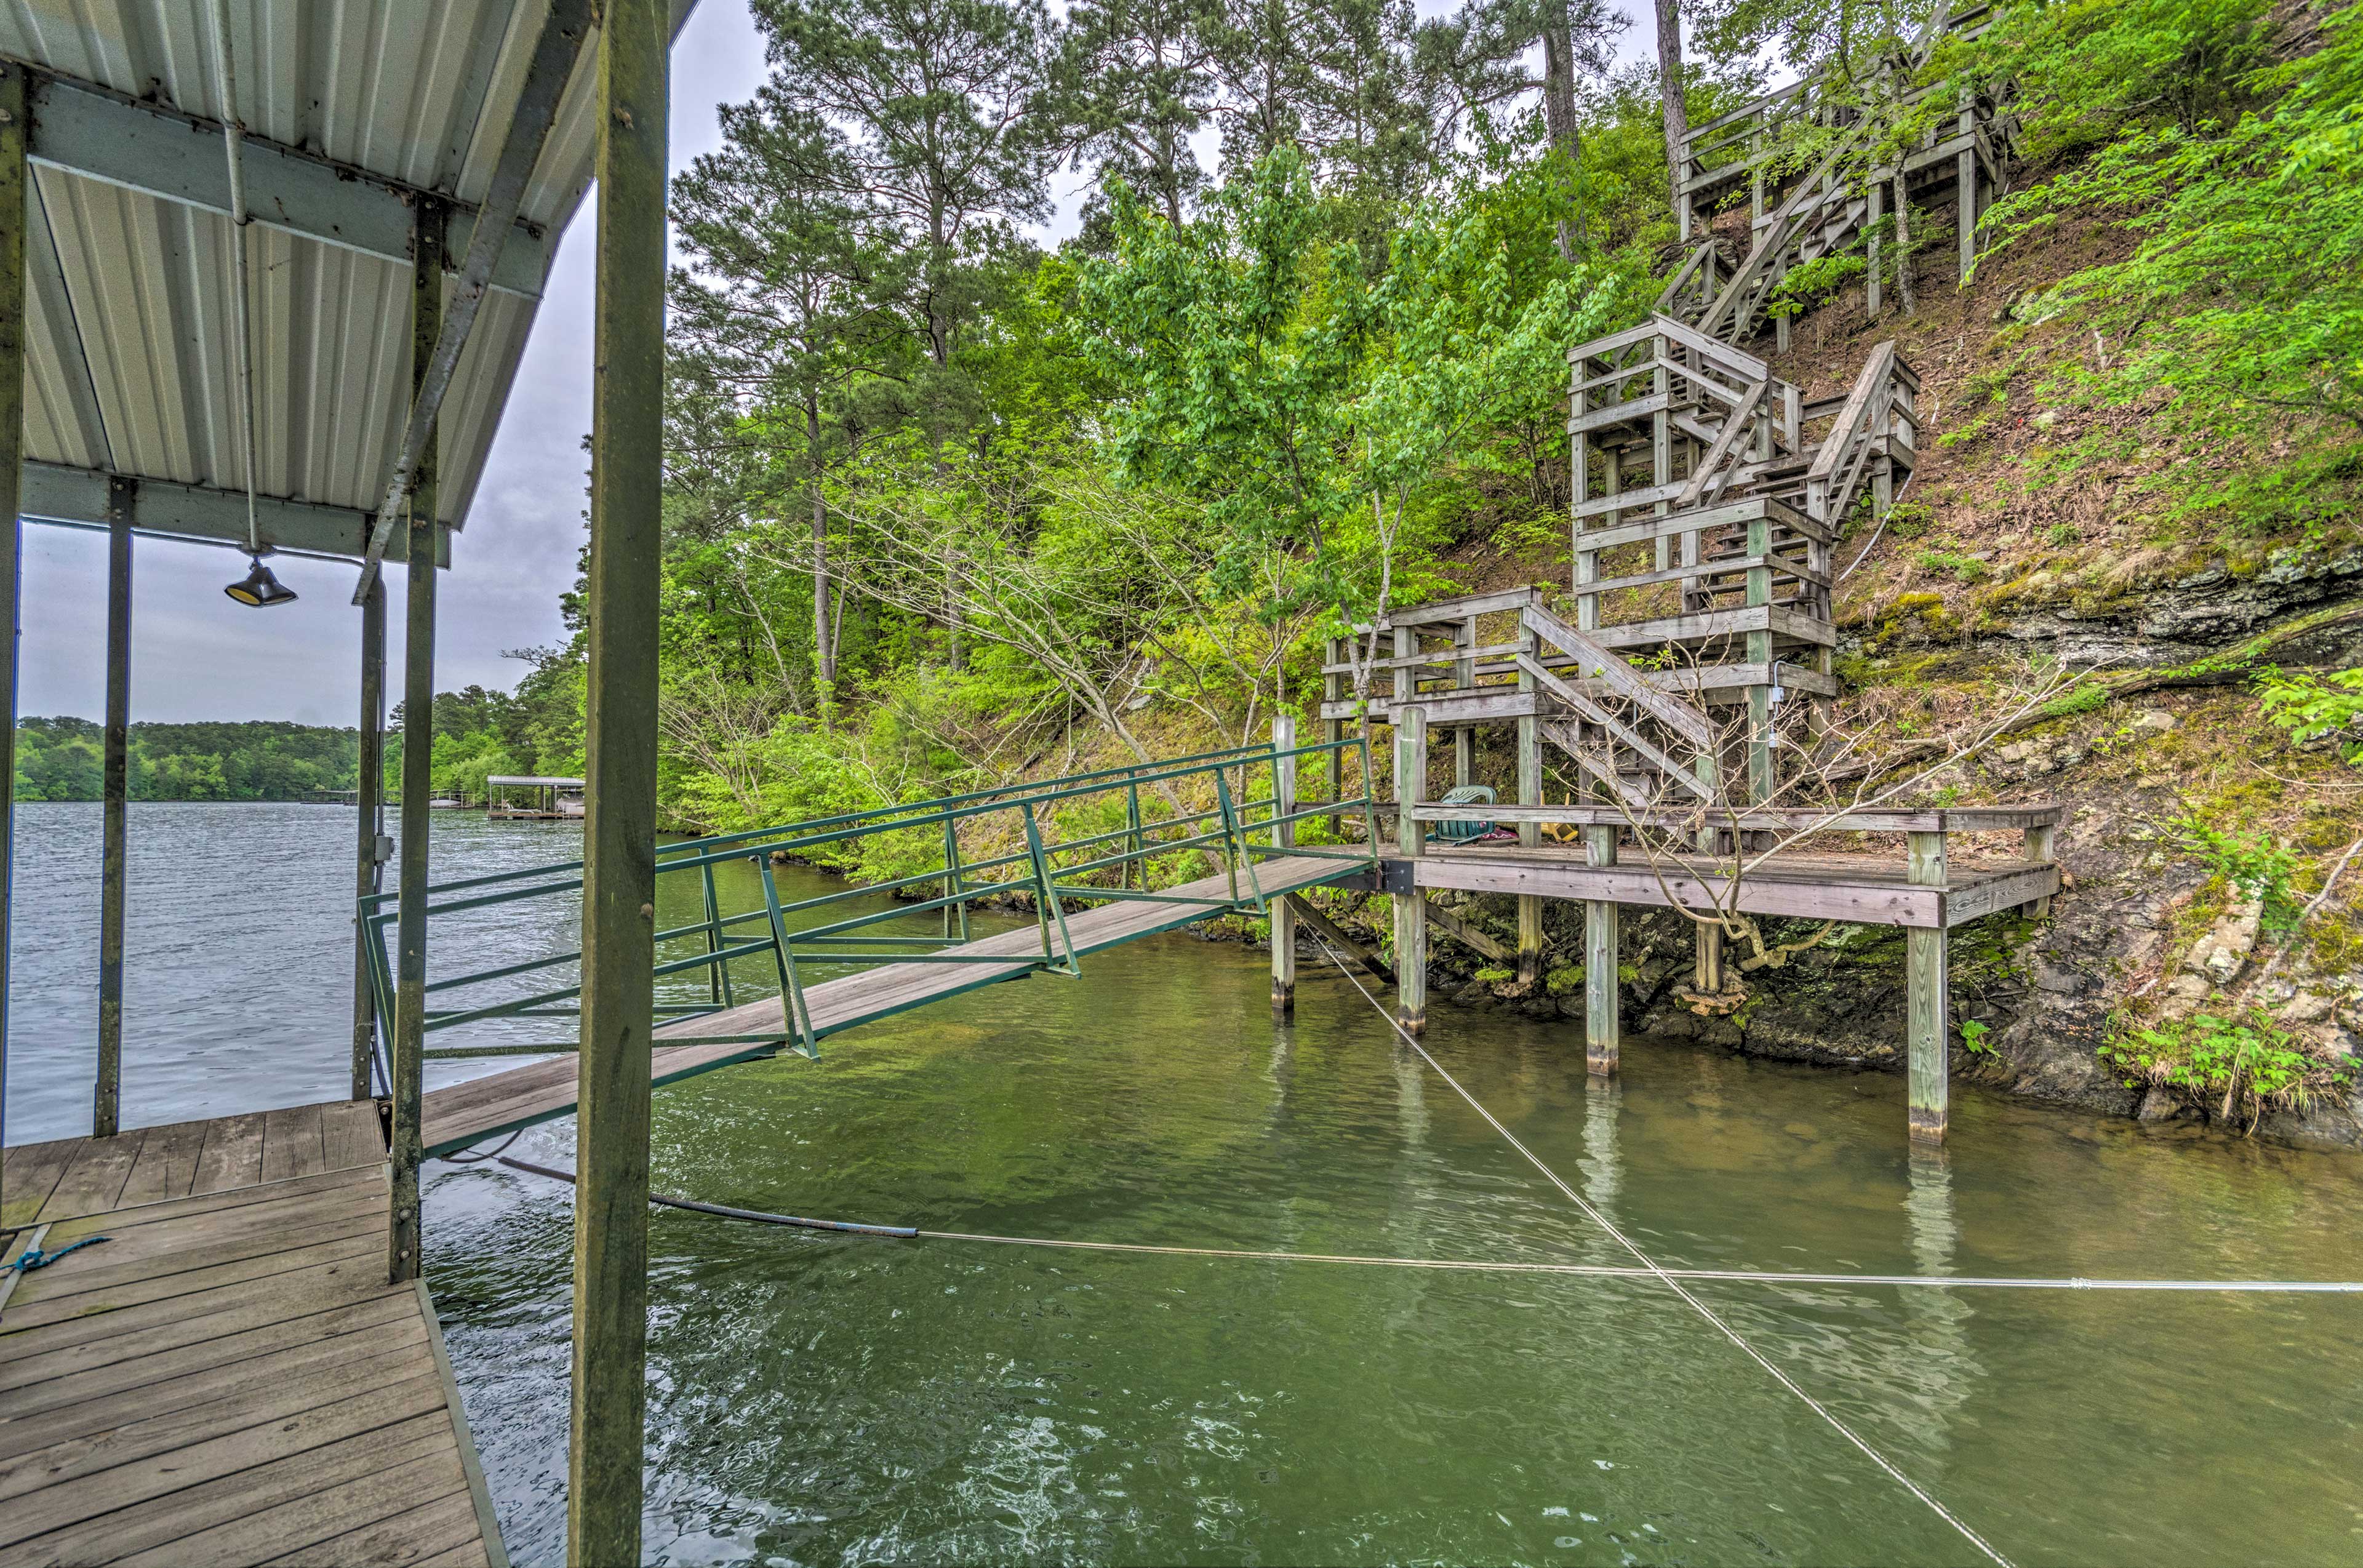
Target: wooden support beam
1283 910
1928 1028
1468 936
115 779
1411 904
611 1202
15 193
1329 932
1600 1021
406 1060
370 815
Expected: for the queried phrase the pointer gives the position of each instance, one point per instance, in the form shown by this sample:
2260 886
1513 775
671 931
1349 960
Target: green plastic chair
1459 831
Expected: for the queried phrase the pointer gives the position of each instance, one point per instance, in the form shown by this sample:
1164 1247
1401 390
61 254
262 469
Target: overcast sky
198 655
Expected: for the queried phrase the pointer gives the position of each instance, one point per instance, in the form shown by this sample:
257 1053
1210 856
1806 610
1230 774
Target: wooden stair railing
1596 661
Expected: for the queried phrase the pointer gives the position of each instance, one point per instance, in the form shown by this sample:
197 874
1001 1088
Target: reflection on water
826 1399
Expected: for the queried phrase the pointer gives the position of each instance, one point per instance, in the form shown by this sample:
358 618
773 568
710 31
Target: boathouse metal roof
352 110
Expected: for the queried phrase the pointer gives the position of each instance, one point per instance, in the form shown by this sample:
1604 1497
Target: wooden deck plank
29 1174
139 1357
392 1349
178 1465
400 1541
174 1210
187 1515
336 1513
144 1242
467 1554
334 1281
482 1107
291 1144
95 1179
167 1166
185 1283
352 1134
232 1156
94 1271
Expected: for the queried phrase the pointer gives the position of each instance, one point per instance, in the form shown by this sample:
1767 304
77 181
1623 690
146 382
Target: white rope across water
1667 1280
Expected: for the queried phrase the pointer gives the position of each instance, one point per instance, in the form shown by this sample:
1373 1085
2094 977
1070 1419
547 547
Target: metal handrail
1234 826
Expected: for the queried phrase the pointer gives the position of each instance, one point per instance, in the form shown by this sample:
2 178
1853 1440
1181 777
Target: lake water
836 1400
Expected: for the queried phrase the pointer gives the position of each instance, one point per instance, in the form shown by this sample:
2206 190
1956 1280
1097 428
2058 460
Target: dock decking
484 1107
229 1377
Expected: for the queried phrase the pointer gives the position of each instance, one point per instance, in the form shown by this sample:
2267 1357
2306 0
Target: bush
2229 1066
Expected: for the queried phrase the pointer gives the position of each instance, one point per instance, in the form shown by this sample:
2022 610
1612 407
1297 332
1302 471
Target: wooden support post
1761 769
1333 731
1530 837
115 778
1411 904
1926 1001
1876 210
406 1058
1661 446
1283 834
2039 847
1968 175
611 1195
371 810
15 194
1600 1023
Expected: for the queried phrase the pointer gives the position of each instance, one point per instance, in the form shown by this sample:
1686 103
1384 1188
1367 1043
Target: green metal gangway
1087 888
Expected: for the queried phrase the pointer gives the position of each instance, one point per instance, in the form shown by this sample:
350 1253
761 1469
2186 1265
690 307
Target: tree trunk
1903 295
824 648
1559 107
1669 87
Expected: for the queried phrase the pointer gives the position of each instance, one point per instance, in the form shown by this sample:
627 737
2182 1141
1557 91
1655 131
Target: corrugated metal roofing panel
133 362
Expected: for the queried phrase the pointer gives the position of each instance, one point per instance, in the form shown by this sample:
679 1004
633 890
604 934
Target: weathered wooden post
1333 732
1599 1024
407 1058
370 805
1968 175
1876 210
1283 834
15 192
1760 779
1410 904
2041 838
1530 834
1928 1005
106 1106
611 1196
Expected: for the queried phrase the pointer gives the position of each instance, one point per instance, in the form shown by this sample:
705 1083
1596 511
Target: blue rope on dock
34 1258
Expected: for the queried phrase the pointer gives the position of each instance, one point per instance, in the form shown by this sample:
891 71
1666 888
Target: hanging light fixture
260 588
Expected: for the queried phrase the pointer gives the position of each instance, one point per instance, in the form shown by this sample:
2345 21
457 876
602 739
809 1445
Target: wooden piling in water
1600 1021
106 1101
1410 903
1927 1004
611 1214
407 1058
1283 911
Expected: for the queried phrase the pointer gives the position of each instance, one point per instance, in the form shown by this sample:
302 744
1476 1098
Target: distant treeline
59 759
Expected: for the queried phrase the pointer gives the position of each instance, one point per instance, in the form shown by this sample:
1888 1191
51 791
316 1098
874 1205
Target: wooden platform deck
485 1107
229 1377
1868 888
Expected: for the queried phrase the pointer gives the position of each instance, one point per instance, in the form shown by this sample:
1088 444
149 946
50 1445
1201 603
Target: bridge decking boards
483 1107
1869 889
228 1378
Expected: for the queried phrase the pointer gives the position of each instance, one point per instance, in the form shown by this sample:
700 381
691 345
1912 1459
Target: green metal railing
1242 827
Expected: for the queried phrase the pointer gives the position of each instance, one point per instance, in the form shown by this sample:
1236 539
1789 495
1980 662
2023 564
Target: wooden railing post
1283 836
2040 847
1927 1001
1410 903
369 857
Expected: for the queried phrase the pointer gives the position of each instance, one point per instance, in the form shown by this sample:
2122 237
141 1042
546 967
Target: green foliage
1495 977
2312 706
1973 1038
1953 563
61 758
2258 864
2084 699
1814 284
2227 1064
1566 978
2236 324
